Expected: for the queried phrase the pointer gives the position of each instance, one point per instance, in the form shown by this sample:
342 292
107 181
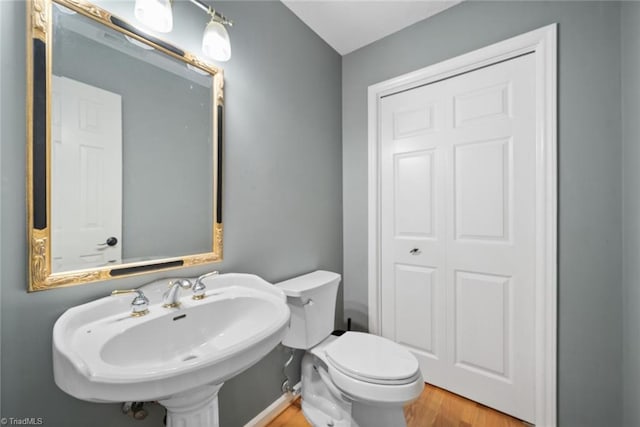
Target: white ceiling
347 25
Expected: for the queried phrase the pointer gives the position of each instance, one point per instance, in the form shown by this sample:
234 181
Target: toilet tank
312 301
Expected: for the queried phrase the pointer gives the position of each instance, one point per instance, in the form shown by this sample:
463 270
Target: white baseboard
275 409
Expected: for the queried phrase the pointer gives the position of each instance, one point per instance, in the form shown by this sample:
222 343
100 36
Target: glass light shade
155 14
215 42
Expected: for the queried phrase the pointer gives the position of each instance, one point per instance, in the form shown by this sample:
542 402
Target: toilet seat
376 394
372 359
372 369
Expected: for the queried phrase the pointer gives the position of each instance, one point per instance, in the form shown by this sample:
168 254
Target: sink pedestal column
193 408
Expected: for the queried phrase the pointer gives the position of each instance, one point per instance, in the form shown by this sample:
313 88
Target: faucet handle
207 275
139 305
199 288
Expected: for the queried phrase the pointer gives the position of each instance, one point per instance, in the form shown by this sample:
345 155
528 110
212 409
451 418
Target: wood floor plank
434 408
290 416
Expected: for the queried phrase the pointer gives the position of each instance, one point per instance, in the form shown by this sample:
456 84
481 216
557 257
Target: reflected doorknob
111 241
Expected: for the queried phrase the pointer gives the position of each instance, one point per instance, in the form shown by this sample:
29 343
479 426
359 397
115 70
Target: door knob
111 241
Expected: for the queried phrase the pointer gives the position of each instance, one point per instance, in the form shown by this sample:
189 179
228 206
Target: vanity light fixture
158 16
215 41
155 14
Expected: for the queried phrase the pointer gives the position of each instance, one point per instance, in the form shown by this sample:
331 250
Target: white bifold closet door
457 225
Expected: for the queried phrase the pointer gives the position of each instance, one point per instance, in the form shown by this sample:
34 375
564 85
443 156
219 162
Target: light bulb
215 42
155 14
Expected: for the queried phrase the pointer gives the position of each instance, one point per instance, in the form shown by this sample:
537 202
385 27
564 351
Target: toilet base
323 404
319 418
361 416
375 416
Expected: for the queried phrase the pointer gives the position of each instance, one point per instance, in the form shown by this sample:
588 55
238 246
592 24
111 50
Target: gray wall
590 292
282 210
631 210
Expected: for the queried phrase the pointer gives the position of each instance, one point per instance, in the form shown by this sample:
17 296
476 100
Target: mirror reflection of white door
86 176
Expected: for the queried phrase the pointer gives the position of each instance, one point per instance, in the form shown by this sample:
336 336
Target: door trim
543 44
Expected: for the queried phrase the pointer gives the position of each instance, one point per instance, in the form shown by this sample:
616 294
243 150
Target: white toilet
351 380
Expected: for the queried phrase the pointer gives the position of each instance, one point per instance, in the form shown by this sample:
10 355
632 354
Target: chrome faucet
170 298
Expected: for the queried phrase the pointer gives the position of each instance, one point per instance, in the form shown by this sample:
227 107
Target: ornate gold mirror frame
39 80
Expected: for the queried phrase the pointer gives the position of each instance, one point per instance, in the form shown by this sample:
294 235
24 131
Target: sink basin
103 354
210 331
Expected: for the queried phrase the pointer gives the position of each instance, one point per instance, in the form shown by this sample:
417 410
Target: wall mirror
124 149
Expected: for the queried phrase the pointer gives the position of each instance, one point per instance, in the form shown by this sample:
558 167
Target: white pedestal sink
195 408
179 357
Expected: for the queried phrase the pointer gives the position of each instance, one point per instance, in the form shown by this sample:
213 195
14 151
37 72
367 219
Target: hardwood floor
434 408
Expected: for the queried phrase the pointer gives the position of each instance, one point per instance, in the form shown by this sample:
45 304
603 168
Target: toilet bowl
352 379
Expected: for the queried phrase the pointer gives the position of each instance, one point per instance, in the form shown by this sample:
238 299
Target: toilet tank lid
297 286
